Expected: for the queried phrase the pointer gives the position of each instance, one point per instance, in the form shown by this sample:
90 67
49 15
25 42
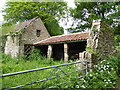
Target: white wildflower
112 68
104 67
108 66
90 74
77 86
83 86
103 60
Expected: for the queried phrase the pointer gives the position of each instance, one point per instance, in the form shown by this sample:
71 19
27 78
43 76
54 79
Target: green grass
10 65
92 79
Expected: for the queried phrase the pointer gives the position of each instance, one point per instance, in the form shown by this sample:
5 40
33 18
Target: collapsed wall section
101 39
100 43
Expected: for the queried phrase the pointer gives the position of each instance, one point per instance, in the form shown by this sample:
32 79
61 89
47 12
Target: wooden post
65 53
49 52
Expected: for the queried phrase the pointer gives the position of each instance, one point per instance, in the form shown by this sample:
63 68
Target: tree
87 11
47 11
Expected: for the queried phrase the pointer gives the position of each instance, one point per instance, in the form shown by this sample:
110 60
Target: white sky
2 4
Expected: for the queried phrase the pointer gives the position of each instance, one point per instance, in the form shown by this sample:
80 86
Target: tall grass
11 65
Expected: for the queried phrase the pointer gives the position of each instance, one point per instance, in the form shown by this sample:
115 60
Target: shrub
36 55
104 77
105 74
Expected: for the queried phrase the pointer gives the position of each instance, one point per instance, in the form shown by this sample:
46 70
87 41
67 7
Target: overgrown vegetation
7 29
105 75
10 65
17 64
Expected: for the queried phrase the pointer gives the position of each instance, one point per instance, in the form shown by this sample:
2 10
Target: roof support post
49 52
65 52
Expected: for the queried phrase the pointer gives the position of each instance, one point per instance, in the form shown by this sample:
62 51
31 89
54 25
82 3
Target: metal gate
56 72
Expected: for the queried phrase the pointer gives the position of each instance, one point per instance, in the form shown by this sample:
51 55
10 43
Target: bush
105 74
104 77
117 56
36 55
36 60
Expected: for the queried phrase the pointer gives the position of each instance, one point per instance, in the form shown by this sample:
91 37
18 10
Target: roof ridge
70 34
61 36
28 22
33 19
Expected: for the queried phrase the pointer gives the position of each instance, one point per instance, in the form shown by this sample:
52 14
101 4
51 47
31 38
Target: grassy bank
10 65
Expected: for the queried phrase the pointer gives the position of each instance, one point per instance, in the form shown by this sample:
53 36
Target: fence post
86 63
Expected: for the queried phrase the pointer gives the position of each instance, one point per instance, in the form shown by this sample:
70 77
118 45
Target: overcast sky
2 4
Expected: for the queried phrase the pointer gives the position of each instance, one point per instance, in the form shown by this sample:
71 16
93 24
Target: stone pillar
65 52
85 55
49 52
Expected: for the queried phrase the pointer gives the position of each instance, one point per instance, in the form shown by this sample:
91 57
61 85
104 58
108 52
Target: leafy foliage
47 11
87 11
7 29
105 74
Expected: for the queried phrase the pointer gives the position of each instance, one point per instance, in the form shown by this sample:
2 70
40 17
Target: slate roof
25 23
64 38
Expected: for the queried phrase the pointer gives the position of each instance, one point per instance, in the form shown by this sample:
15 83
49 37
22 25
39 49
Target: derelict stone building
64 46
27 33
99 39
82 45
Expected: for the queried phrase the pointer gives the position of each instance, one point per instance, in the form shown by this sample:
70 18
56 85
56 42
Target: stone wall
30 37
12 46
100 44
101 39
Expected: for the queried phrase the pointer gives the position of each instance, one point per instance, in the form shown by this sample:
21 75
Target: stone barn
98 39
21 41
64 46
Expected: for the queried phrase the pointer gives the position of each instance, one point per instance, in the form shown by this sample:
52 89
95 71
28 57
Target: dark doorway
75 48
58 51
43 49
